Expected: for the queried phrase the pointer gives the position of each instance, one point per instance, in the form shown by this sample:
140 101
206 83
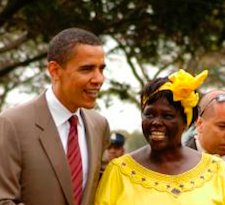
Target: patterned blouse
126 182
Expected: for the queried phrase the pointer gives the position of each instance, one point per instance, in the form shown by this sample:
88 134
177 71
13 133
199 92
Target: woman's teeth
157 136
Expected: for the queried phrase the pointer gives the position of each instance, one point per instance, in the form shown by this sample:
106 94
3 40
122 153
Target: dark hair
61 47
117 139
151 89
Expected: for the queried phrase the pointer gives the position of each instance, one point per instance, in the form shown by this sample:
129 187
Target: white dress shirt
61 115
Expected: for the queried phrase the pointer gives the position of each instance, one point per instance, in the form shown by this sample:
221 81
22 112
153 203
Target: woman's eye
148 115
168 116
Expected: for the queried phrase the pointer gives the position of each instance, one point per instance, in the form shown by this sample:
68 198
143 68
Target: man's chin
89 105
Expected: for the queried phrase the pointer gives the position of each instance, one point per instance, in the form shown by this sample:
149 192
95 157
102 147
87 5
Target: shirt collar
198 144
59 112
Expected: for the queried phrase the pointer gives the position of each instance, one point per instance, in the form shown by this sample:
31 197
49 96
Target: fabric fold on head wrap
183 86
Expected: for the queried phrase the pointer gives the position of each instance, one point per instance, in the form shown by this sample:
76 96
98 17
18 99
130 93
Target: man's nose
98 77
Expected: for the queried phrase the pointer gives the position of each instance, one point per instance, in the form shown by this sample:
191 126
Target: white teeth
157 135
92 93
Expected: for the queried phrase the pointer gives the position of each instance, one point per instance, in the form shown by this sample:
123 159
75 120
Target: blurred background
143 40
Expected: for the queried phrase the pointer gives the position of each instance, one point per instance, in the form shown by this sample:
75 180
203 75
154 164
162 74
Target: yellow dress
126 182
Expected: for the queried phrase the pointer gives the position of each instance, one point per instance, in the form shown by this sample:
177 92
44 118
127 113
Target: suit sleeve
106 141
107 136
10 164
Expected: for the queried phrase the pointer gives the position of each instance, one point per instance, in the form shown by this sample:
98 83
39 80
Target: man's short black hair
61 47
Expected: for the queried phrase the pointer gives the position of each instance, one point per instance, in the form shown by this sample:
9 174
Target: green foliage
166 34
135 141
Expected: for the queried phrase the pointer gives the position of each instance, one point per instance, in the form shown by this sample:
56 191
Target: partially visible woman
166 172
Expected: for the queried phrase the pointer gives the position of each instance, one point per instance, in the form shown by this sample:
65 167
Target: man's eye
86 68
102 68
222 126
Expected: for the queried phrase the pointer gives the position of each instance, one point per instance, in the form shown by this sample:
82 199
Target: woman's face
162 125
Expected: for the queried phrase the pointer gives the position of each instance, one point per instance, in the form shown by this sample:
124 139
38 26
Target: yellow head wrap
183 86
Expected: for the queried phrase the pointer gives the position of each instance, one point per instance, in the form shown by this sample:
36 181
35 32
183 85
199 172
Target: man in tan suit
209 135
34 136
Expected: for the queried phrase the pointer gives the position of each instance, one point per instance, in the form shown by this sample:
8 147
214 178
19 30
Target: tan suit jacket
33 164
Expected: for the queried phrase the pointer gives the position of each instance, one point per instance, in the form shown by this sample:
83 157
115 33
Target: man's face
77 83
114 152
211 129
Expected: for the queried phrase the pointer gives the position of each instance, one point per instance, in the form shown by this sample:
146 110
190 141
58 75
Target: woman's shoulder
120 160
140 153
215 159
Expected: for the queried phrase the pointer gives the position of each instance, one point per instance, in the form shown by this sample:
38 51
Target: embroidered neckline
173 184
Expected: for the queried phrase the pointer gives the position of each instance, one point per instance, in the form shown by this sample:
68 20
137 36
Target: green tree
135 141
165 34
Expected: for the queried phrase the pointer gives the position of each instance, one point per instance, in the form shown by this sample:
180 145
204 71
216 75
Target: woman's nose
157 121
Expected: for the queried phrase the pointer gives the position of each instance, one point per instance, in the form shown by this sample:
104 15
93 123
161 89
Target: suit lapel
90 133
94 143
52 145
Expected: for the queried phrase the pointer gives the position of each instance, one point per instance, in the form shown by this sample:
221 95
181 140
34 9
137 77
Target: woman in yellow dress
166 172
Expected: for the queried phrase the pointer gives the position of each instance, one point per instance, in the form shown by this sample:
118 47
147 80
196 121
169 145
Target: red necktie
74 159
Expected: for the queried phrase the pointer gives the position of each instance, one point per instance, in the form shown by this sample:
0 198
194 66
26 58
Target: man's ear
54 70
199 124
123 150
